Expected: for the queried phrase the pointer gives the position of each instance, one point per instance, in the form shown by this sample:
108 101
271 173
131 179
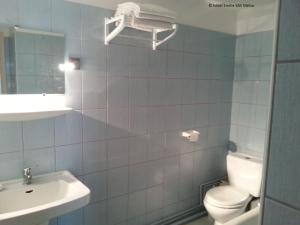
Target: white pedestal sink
48 196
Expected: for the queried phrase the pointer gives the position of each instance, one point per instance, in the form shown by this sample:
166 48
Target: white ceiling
198 13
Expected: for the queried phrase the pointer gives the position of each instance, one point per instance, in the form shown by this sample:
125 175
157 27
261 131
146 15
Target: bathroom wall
282 197
251 92
131 104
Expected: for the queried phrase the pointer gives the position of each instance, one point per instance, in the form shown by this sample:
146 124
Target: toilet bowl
224 203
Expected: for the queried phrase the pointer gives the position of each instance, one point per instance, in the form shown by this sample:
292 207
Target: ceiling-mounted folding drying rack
121 22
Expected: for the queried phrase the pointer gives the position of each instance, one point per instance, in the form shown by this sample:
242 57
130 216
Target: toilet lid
226 197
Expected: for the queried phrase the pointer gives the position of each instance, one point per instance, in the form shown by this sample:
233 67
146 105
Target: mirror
29 61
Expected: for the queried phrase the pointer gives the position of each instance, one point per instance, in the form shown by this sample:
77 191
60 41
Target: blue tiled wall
131 103
251 92
282 189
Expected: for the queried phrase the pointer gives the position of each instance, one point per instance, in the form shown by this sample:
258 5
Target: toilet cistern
27 176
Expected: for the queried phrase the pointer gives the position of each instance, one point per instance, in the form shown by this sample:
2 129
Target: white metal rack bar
121 24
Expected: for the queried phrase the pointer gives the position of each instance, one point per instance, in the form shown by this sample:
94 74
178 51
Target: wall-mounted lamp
71 64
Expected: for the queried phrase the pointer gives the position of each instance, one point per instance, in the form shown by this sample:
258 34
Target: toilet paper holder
191 135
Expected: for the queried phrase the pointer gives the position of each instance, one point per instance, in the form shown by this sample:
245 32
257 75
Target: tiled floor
202 221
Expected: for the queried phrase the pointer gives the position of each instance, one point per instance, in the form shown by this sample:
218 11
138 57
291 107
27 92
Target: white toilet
224 203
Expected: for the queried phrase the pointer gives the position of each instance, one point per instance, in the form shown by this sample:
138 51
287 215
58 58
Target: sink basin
48 196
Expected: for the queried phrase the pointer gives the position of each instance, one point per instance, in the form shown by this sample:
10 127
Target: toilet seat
227 197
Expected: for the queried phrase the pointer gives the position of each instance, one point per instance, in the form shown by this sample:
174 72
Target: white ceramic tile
10 137
138 149
75 217
154 198
139 61
202 92
157 63
215 114
171 180
117 181
117 209
155 119
94 125
172 143
175 64
138 220
94 156
96 213
93 90
137 204
154 215
118 152
247 114
205 66
170 210
189 91
138 120
202 115
73 94
68 129
118 122
215 91
251 68
92 26
171 192
38 133
137 177
172 117
263 92
138 92
188 116
247 92
155 173
93 57
235 113
157 90
261 117
190 65
118 60
11 165
40 160
173 91
118 92
69 157
156 143
97 183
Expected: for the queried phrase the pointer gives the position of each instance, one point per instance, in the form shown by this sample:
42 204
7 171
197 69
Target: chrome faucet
27 176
